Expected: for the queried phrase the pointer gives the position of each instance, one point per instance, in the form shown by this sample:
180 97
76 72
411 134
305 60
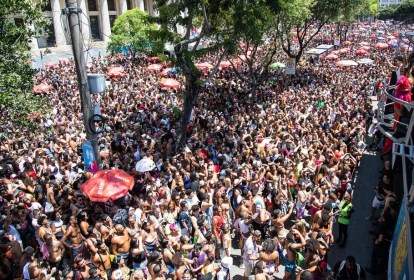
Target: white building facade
98 17
386 3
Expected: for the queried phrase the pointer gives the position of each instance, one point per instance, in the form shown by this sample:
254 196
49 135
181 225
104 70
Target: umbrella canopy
331 56
347 43
346 63
344 50
64 60
363 43
145 165
116 72
381 46
225 64
380 38
277 65
154 67
361 52
365 61
107 184
170 83
367 48
50 64
42 88
204 66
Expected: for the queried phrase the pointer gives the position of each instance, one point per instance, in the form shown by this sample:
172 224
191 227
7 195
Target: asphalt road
359 242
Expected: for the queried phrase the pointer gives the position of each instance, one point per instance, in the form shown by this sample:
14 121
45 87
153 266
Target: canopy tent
277 65
361 52
344 50
345 63
325 47
225 64
50 64
381 46
347 43
365 61
316 51
331 56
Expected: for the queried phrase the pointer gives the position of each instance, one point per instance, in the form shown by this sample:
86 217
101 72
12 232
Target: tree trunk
191 90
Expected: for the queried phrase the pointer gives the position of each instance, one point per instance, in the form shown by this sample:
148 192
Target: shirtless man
102 260
56 252
225 206
44 228
35 272
121 241
73 232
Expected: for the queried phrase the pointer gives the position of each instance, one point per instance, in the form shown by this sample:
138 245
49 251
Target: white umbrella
365 61
145 165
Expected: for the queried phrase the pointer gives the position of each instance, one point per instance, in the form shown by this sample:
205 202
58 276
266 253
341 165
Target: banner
337 41
89 157
400 250
290 66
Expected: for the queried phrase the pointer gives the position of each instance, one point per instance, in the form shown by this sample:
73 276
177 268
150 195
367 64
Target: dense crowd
270 174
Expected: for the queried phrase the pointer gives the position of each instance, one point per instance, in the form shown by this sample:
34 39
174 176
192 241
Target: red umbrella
347 43
361 52
153 59
344 50
107 184
331 56
170 83
225 64
50 64
381 46
42 88
367 48
64 60
346 63
204 66
155 67
116 72
363 44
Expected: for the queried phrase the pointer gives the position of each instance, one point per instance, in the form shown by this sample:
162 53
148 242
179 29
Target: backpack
121 217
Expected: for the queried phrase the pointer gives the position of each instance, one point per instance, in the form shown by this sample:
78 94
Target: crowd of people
270 175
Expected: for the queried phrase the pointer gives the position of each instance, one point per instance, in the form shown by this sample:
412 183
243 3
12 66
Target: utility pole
74 14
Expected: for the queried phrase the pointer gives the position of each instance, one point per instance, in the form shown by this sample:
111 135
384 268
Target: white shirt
250 248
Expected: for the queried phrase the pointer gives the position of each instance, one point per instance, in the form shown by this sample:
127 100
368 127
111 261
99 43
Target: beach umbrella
365 61
363 43
331 56
347 43
145 165
204 66
361 52
277 65
116 72
335 52
381 46
50 64
107 184
344 50
43 87
345 63
225 64
170 83
154 67
367 48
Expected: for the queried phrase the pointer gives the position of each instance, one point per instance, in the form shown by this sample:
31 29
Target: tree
253 27
402 12
133 30
303 20
16 75
213 17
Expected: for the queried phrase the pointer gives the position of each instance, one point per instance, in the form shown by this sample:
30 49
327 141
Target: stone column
123 7
85 20
141 5
57 23
106 26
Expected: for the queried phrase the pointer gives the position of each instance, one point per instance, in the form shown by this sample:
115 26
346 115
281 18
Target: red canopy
204 66
346 63
116 72
225 64
154 67
344 50
381 46
347 43
64 60
361 52
107 184
42 88
367 48
50 64
331 56
170 83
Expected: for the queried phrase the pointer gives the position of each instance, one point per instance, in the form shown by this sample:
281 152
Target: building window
94 20
47 7
92 5
19 22
111 5
112 19
129 4
146 6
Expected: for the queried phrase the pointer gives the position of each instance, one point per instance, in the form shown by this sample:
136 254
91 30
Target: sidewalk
96 48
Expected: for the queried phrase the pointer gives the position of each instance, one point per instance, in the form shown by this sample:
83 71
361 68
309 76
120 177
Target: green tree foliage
402 12
16 76
213 18
135 31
